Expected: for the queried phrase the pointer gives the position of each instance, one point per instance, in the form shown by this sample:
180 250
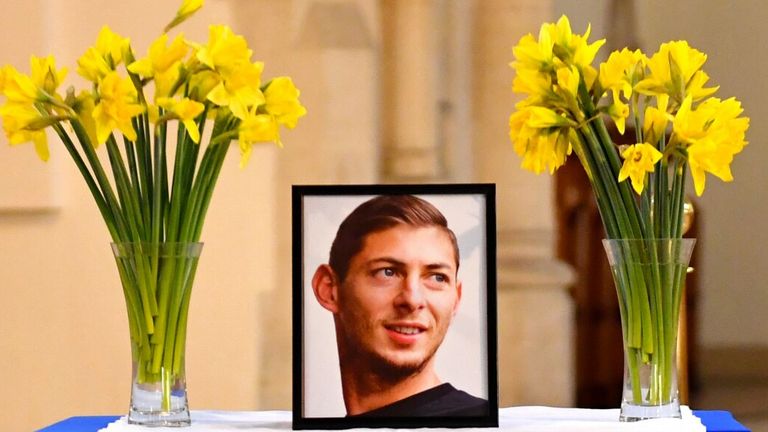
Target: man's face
398 298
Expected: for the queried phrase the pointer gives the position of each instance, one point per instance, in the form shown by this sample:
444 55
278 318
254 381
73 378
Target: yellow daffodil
282 101
162 63
256 128
546 151
532 54
45 75
19 125
187 9
532 82
240 90
92 65
109 51
546 118
112 46
84 106
519 130
568 80
676 70
539 147
117 106
225 51
713 133
3 75
656 119
19 88
186 111
619 111
571 48
639 159
619 72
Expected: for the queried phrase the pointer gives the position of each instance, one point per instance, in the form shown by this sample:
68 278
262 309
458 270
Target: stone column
329 48
410 84
535 309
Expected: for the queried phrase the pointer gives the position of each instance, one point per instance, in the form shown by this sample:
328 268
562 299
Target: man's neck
364 392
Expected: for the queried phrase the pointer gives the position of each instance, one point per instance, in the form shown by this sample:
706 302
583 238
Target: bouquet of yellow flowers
154 210
678 127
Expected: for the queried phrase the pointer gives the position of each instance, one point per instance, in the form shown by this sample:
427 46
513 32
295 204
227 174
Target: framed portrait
394 306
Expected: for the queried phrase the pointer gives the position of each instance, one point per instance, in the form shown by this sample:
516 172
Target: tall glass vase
157 283
649 275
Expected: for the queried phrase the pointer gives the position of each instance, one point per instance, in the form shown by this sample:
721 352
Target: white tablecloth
516 419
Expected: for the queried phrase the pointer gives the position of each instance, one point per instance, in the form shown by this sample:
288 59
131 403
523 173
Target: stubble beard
388 368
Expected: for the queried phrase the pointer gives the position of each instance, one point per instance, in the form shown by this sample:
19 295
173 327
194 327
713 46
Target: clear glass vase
649 275
157 281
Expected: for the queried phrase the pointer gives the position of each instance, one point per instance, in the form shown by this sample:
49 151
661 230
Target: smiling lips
405 333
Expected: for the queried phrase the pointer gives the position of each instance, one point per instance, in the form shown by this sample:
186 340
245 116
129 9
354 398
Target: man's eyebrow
398 263
386 260
440 265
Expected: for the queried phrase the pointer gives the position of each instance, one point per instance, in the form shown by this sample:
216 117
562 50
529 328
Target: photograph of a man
392 286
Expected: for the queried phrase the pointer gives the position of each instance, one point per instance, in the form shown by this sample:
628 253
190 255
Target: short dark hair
378 214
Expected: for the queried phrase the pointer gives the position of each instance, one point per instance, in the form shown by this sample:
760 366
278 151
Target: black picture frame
315 410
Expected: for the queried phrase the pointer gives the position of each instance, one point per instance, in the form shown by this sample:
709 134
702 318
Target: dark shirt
443 400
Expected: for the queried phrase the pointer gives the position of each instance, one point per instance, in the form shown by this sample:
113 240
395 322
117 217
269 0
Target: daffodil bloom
571 48
3 74
185 110
542 117
568 79
656 119
532 82
256 128
92 65
18 121
225 50
282 101
532 54
547 150
619 111
519 130
83 107
618 73
112 46
639 159
240 90
19 88
162 63
676 70
45 75
109 51
713 134
117 106
187 9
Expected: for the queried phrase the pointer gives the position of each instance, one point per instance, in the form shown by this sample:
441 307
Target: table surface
715 421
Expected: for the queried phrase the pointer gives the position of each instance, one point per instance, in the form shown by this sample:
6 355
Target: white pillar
536 359
410 86
329 48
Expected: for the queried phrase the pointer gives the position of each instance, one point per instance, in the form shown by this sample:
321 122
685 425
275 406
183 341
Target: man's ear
325 286
458 298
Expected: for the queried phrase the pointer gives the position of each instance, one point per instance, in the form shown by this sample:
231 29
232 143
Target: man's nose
412 294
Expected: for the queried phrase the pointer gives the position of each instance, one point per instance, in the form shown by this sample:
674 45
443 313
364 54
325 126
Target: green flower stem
221 156
89 181
181 338
101 179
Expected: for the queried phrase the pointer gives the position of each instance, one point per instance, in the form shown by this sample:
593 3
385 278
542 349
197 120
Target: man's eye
440 278
385 272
